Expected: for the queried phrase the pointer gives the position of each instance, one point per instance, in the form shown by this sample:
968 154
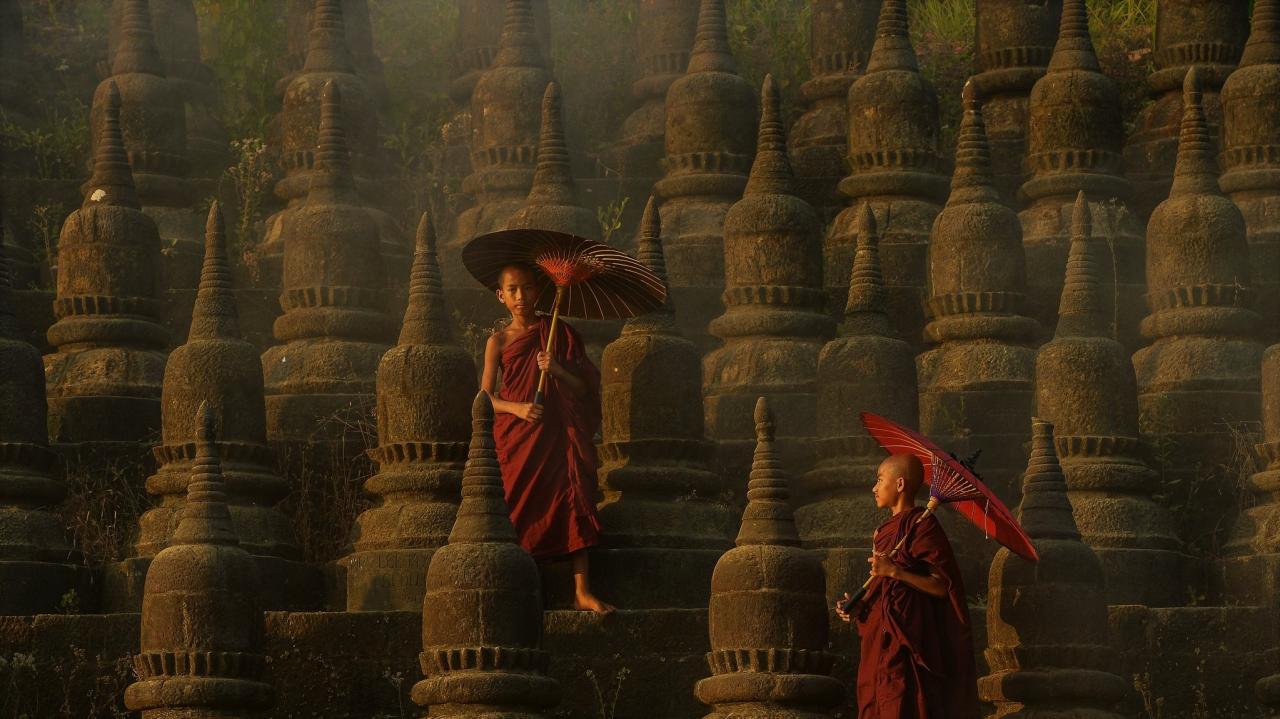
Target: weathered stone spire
334 327
1074 49
1196 171
37 563
218 368
768 518
711 42
104 377
424 389
649 253
1198 379
1083 310
215 315
864 312
1263 47
841 33
771 172
327 42
176 34
892 49
137 49
476 38
357 37
709 141
1085 385
767 615
1014 40
1251 168
976 384
205 517
426 319
482 515
1063 665
976 260
153 129
202 626
505 130
773 304
972 179
329 62
518 46
483 592
1045 511
552 203
1075 136
662 515
894 166
111 182
663 40
1208 35
332 179
866 368
552 180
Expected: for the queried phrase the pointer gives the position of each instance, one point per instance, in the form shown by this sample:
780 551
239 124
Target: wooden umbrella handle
551 342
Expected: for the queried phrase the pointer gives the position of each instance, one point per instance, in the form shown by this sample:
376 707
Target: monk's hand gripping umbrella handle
847 605
551 343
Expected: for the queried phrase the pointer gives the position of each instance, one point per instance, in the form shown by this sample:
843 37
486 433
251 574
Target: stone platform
1186 662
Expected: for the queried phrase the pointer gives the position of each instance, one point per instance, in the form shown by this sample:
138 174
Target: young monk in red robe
916 648
547 452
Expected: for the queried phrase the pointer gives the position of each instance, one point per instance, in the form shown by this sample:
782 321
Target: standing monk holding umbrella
917 659
545 390
916 648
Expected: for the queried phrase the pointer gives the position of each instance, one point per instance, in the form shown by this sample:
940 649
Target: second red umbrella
951 481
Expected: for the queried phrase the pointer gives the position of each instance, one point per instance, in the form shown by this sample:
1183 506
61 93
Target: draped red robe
549 466
917 651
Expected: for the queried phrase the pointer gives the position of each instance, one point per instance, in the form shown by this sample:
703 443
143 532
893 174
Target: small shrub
55 147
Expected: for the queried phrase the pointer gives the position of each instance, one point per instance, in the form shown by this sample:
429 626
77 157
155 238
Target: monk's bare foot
590 602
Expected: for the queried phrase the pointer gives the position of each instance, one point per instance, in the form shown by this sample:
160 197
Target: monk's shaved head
907 466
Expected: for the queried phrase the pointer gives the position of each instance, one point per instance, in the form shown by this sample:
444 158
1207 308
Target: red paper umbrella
952 481
592 280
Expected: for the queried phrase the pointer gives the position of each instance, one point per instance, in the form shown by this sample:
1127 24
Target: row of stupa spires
976 319
202 626
976 386
106 378
893 154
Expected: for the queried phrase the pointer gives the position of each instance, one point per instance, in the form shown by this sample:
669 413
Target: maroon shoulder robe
549 466
917 650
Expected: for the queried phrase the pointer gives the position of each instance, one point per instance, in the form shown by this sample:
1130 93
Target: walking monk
917 653
547 452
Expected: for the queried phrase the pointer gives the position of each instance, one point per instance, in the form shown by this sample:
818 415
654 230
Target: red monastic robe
549 466
917 657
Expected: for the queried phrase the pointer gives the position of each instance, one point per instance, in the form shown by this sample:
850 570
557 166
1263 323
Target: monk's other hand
841 612
529 411
547 363
881 566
